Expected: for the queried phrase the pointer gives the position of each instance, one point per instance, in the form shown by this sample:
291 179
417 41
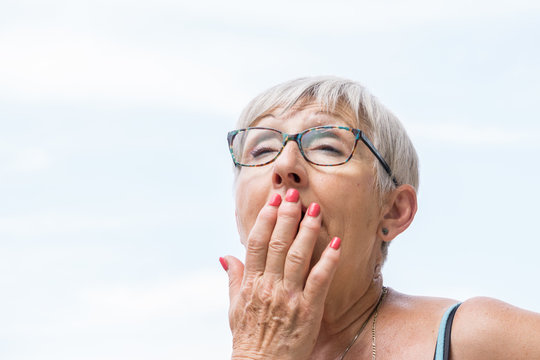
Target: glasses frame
359 135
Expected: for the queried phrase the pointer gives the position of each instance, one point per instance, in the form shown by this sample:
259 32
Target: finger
259 236
321 275
284 233
301 250
235 271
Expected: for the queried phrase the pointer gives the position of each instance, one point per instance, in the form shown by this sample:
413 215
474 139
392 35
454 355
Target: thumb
235 270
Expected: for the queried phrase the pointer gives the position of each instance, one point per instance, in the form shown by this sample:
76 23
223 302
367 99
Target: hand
276 301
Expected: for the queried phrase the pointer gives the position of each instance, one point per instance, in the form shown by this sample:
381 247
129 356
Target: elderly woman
326 178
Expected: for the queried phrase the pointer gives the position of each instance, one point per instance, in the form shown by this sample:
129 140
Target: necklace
374 314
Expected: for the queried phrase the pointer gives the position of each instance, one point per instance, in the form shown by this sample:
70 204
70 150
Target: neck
343 318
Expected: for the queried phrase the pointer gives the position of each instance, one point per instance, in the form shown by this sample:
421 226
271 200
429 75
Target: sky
116 182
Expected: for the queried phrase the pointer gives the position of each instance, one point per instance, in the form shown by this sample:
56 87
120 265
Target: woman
326 177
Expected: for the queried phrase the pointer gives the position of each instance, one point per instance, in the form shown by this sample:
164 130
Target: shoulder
486 328
427 308
483 328
411 324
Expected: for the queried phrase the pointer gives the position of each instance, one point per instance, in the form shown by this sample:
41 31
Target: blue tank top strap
442 350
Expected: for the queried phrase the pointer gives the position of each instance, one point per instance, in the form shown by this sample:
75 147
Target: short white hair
382 127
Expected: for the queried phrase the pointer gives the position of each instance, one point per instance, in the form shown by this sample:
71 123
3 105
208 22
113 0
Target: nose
290 168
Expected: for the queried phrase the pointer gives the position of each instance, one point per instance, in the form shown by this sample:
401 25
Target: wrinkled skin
275 310
281 297
298 298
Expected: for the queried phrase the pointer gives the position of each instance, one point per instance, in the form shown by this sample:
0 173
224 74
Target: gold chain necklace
374 314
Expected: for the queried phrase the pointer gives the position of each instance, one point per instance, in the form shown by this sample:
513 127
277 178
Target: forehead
300 117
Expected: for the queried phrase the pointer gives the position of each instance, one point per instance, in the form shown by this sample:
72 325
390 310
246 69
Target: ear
398 212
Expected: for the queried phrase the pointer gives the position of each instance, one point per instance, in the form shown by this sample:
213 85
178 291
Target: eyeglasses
321 145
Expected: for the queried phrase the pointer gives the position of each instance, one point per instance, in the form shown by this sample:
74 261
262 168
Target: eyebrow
261 117
336 115
326 112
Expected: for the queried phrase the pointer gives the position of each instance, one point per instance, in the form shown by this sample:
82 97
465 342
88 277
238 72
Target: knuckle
267 214
296 306
256 244
311 225
257 296
295 257
289 211
278 245
265 294
318 278
260 296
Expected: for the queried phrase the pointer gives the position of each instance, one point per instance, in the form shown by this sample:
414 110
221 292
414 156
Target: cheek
239 226
249 201
242 219
353 207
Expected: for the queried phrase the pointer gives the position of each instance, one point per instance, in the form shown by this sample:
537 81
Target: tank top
442 350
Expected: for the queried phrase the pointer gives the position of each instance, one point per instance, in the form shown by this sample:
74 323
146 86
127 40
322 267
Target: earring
385 231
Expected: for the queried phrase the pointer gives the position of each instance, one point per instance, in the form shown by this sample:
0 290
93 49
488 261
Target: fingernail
335 243
224 263
292 195
313 210
275 200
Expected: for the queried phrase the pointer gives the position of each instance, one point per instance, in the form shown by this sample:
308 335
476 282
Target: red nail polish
335 243
292 195
224 263
275 200
313 210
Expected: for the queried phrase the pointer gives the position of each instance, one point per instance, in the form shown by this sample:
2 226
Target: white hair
382 127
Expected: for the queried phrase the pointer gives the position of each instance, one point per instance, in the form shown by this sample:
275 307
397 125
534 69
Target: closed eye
260 151
327 148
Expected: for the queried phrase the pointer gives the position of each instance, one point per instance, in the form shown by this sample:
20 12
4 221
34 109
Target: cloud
190 296
53 222
29 160
57 222
373 15
41 65
474 135
73 59
171 318
322 17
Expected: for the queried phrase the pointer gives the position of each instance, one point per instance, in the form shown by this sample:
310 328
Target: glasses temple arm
372 148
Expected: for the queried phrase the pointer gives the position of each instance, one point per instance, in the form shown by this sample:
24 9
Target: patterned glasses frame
359 135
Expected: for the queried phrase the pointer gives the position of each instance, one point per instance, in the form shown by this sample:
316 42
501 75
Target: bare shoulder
412 324
486 328
422 307
483 328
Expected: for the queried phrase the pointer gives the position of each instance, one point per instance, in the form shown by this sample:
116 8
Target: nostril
277 179
295 177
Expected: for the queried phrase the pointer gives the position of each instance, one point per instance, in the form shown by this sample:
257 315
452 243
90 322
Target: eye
326 146
262 151
331 150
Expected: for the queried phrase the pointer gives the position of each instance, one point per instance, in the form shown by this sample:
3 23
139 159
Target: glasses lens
328 146
256 146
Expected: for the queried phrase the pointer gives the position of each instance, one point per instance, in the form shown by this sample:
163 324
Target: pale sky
116 182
